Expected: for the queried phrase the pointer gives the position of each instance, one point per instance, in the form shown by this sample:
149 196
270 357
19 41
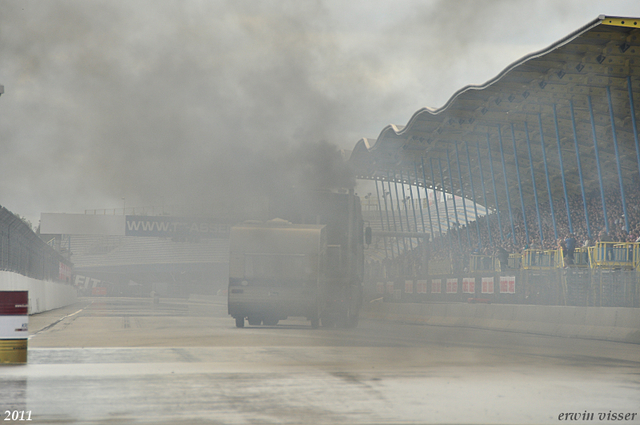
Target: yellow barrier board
13 351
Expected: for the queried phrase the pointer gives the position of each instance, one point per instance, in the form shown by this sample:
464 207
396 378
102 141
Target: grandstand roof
592 71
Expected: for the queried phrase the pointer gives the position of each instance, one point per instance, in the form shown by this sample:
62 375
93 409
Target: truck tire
254 321
315 323
352 322
344 318
239 322
328 322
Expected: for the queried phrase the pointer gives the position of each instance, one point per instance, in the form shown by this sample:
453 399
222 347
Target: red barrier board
14 303
99 291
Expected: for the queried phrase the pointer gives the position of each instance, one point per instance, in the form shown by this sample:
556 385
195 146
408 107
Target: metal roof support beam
615 146
564 183
524 213
435 197
426 194
533 181
393 214
546 172
584 197
415 166
633 121
395 184
406 211
484 191
464 204
384 238
473 194
453 198
506 185
595 144
444 197
495 191
413 206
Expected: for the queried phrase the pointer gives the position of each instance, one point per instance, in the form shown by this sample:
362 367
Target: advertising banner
64 273
468 285
408 286
14 303
452 286
436 286
14 327
175 227
487 285
390 286
507 284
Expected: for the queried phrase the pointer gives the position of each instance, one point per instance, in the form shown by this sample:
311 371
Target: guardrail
615 255
605 275
612 255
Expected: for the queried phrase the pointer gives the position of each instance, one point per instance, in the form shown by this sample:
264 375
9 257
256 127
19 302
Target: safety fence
606 274
570 286
23 252
603 255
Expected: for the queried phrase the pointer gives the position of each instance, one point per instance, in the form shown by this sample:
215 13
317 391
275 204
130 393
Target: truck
306 259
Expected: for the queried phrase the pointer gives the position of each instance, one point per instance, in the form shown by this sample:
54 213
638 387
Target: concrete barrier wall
607 323
43 295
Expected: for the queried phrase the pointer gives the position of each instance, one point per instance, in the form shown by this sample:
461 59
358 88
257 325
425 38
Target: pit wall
617 324
43 295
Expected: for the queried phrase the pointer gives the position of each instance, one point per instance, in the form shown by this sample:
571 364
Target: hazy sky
201 101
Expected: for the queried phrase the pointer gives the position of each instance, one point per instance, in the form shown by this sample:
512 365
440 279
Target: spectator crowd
462 241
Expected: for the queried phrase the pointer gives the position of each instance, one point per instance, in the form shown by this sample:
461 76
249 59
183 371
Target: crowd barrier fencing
609 255
569 287
615 255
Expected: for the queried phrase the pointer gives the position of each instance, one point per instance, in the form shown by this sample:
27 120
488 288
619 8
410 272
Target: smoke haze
196 101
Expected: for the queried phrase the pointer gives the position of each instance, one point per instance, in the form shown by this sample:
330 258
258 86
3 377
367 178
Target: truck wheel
253 321
343 319
352 321
315 322
328 322
239 322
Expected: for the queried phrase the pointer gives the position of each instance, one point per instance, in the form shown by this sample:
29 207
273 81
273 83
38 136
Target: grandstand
549 146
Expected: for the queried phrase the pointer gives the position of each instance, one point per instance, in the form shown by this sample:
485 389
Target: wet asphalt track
128 361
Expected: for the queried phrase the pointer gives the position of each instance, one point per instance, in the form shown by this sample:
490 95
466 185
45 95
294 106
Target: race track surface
129 361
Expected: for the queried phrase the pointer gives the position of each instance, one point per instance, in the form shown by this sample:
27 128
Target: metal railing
23 252
482 263
537 259
615 255
604 255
